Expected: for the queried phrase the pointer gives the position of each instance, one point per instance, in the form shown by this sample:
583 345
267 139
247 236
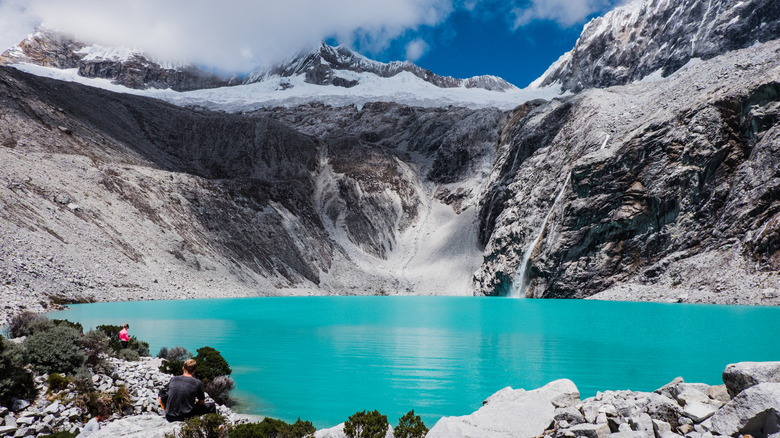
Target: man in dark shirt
183 396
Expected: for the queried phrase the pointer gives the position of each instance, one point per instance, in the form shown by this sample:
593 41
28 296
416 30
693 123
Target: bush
74 325
128 355
57 382
272 428
410 426
173 359
16 381
219 389
93 402
95 346
205 426
366 425
54 350
19 325
176 353
82 380
64 434
121 399
112 331
211 364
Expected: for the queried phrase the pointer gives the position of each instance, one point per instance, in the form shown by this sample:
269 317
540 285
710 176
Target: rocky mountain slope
672 183
661 190
660 36
110 196
325 65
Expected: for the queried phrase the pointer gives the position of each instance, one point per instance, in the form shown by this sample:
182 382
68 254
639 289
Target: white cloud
415 49
564 12
234 35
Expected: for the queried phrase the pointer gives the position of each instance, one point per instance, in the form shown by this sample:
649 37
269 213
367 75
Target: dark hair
127 325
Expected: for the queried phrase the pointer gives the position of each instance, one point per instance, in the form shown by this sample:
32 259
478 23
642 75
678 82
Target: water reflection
325 358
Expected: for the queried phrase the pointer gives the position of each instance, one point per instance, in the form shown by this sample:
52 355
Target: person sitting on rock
93 425
183 397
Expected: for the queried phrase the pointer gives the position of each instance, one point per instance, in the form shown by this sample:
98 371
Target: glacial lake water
325 358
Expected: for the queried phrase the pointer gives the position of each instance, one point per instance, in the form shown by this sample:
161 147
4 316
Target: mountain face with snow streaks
665 189
660 36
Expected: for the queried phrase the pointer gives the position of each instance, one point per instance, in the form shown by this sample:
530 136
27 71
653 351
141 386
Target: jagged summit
126 66
660 36
326 65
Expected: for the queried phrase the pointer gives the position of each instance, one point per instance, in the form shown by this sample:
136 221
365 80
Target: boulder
664 409
754 411
743 375
140 426
7 430
511 413
590 430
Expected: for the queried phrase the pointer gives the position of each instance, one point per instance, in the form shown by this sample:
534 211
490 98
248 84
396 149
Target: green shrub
410 426
272 428
205 426
172 367
211 364
112 331
74 325
366 425
173 359
95 345
57 382
82 380
128 355
16 381
64 434
54 350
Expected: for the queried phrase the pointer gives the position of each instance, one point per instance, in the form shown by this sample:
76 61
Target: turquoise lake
324 358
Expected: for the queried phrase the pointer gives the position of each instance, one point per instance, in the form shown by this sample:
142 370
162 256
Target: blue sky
468 45
514 39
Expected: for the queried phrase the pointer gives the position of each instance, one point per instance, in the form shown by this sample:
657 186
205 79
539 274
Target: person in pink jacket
124 338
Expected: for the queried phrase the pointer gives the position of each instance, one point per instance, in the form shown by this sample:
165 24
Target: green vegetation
112 331
211 364
173 359
205 426
410 426
272 428
366 425
57 382
16 380
54 349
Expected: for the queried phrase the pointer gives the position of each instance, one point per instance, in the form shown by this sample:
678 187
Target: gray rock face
53 49
646 175
743 375
754 411
634 41
322 67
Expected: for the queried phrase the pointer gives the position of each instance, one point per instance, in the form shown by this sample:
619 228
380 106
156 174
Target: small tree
54 350
173 359
16 381
271 427
219 389
366 425
211 364
410 426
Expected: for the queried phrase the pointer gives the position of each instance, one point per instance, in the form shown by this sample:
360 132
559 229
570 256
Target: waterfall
520 283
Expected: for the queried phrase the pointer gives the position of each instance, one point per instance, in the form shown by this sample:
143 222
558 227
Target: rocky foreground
55 411
748 403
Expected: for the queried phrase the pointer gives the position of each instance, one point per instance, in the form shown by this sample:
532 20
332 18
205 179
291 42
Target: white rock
510 413
697 411
590 430
141 426
749 411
